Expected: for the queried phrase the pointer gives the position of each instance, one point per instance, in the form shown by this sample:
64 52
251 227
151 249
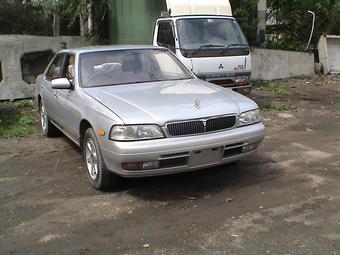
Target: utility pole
261 25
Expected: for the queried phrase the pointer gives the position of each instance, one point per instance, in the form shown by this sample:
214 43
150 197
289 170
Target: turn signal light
101 132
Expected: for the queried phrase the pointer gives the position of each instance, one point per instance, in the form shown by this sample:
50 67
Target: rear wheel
47 126
98 175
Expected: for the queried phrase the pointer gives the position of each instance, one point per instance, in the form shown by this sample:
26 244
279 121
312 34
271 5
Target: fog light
141 165
150 165
249 147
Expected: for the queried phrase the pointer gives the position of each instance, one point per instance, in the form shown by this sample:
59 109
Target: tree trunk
83 21
56 24
86 21
90 19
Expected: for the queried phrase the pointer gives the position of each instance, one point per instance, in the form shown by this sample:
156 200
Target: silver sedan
137 111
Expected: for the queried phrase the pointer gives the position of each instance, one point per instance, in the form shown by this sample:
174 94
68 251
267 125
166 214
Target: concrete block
329 53
13 47
278 64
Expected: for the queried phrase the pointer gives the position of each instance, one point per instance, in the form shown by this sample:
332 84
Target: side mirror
61 83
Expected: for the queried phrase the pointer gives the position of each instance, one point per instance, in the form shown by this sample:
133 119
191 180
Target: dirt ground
284 199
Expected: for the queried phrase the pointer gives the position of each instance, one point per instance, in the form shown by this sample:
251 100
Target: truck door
165 35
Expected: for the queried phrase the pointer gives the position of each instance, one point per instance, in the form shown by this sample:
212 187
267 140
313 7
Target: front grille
192 127
186 128
220 123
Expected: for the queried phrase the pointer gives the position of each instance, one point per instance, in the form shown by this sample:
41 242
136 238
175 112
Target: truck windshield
204 37
115 67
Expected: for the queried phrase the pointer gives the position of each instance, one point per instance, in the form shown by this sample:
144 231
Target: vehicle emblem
197 104
221 66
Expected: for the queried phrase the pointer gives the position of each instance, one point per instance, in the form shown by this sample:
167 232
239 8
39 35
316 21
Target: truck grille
193 127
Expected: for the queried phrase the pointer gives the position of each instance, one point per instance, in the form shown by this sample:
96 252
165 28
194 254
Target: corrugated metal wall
132 21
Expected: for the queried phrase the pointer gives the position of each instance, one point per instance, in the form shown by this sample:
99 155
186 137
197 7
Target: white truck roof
199 7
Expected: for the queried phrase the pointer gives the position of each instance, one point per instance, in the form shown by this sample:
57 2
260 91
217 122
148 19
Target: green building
133 21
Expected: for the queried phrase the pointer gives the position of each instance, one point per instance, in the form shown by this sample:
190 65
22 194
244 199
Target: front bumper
179 154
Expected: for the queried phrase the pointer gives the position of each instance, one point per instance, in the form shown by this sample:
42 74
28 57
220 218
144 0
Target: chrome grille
192 127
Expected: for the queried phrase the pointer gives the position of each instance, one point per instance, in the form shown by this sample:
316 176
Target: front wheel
47 126
99 177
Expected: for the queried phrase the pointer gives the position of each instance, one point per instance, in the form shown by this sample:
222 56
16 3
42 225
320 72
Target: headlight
135 132
248 118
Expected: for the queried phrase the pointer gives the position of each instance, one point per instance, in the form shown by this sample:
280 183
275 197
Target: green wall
133 21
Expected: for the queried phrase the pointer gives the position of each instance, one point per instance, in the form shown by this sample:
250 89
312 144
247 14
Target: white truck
203 34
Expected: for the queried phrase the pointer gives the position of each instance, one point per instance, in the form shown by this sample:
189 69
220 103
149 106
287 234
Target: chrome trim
234 146
204 120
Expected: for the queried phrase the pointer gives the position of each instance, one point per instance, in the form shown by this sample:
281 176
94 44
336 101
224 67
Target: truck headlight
250 117
135 133
242 79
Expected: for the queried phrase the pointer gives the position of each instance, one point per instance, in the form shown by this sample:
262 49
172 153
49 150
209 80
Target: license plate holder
205 157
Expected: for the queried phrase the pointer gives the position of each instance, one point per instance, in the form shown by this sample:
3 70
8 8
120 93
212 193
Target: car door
50 95
69 108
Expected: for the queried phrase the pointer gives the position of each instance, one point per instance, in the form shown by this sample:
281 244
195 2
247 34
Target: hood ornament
197 104
221 66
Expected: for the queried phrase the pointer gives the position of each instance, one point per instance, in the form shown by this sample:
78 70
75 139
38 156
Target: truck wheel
99 177
47 126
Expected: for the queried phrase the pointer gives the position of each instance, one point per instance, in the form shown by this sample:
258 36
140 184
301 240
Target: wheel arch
83 126
39 101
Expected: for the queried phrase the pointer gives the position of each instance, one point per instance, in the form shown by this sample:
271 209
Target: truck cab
202 34
212 46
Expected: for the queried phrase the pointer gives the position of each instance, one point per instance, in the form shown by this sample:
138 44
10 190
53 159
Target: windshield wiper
234 45
207 46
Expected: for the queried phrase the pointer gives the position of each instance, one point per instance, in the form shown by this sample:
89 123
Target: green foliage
269 106
276 88
246 14
19 18
294 22
18 119
70 11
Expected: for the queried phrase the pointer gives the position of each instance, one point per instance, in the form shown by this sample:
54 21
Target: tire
99 177
47 126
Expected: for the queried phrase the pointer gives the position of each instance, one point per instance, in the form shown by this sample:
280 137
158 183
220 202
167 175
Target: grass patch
18 119
280 107
276 88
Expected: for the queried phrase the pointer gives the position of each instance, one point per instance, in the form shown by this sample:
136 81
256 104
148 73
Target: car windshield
116 67
212 36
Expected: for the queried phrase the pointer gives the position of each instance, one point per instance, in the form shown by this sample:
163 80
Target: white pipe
311 33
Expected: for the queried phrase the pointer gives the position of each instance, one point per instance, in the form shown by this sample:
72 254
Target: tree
91 14
246 13
19 17
294 22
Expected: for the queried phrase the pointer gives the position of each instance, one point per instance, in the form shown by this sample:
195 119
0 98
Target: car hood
162 102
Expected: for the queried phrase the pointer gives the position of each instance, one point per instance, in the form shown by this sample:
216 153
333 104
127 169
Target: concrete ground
285 199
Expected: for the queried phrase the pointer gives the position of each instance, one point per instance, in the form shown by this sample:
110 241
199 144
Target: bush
19 18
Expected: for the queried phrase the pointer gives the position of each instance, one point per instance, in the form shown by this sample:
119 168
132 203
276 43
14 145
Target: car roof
108 48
